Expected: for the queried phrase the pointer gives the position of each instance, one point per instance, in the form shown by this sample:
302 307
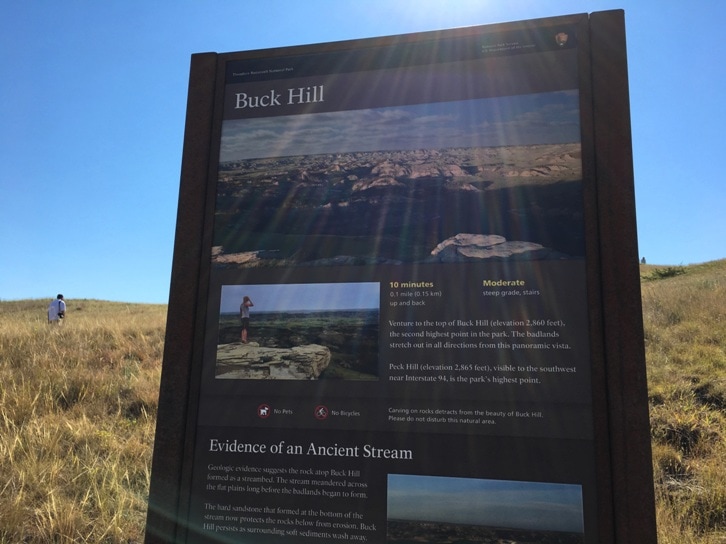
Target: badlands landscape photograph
515 194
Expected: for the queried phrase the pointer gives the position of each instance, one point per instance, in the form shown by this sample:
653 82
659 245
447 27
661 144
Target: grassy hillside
78 408
77 415
684 311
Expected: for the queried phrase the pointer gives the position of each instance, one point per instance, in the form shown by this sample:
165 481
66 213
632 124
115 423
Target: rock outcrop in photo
250 361
466 247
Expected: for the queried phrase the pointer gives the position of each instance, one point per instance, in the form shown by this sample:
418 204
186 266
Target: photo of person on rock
309 331
244 314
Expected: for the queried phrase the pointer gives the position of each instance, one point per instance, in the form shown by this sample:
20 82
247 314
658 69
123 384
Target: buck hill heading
298 95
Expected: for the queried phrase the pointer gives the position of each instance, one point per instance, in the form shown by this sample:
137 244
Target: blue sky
497 503
93 97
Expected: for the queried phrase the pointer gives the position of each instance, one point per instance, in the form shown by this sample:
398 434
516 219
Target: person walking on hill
57 311
244 314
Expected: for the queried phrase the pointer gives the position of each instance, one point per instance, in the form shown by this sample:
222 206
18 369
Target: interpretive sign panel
390 320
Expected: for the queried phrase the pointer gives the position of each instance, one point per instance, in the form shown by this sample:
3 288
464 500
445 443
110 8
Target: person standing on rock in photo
57 311
244 314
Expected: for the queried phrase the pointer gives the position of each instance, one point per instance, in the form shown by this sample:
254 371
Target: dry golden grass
77 417
78 409
684 312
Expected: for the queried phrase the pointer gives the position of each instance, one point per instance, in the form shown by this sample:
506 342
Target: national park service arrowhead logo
561 38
